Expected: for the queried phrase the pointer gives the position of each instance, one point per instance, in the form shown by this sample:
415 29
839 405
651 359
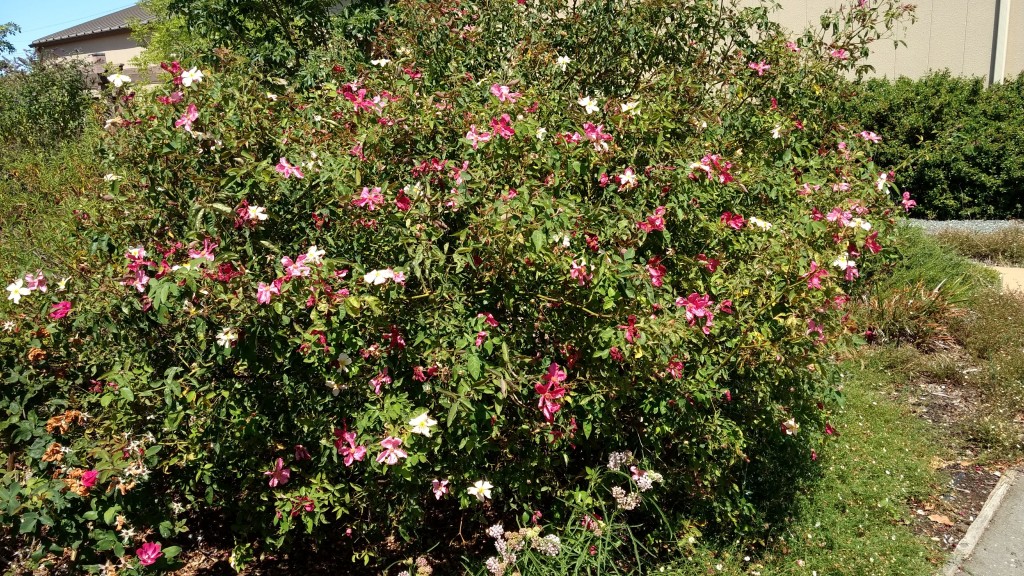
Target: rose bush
430 280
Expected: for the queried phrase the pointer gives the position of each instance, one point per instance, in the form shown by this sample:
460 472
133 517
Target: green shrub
275 36
439 287
48 197
956 144
43 104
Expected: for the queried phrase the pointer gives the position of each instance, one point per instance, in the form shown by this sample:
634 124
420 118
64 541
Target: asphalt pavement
996 547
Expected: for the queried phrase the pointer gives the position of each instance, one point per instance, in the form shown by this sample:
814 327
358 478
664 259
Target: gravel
973 226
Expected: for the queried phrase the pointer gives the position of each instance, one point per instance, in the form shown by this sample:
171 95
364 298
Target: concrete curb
970 540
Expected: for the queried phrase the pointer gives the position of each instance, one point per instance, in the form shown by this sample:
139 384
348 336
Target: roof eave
48 41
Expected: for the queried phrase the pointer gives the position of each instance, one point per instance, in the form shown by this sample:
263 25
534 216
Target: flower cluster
510 544
24 286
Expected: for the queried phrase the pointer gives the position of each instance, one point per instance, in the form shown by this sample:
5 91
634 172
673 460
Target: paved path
1000 549
1013 278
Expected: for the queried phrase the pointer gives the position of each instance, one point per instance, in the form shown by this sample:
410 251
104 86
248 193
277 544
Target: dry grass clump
1002 248
994 333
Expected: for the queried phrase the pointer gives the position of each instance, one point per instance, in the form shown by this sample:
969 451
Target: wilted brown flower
62 422
124 487
74 482
54 453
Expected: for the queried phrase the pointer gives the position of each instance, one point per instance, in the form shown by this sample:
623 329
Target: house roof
110 23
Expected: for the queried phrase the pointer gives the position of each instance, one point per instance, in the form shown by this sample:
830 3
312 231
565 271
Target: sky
38 18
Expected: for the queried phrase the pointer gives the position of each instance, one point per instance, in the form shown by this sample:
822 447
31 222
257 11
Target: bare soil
948 404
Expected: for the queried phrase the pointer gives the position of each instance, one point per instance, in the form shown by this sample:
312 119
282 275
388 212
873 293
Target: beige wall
954 34
1015 44
117 48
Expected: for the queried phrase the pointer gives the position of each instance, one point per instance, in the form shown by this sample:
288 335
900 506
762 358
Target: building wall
954 34
117 48
1015 44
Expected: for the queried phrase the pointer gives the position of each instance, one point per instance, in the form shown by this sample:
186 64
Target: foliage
42 104
6 30
957 144
433 282
166 36
275 36
48 197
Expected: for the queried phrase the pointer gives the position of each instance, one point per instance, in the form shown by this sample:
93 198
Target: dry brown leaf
940 519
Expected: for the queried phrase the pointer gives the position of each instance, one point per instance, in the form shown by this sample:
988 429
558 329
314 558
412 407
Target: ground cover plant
482 263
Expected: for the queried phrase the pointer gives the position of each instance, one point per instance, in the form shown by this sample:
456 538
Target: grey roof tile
109 23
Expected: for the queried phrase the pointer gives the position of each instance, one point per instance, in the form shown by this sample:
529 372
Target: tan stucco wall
954 34
118 48
1015 43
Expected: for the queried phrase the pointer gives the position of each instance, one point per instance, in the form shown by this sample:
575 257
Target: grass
993 333
976 334
855 520
915 300
1002 248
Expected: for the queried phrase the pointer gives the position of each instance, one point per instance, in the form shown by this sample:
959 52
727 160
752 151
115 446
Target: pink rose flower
60 310
149 553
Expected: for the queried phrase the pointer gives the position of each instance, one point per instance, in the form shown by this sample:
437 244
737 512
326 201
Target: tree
7 30
276 36
166 36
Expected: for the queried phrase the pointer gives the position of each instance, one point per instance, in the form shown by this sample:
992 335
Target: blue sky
38 18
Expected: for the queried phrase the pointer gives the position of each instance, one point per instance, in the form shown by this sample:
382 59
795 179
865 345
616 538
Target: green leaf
538 240
473 365
110 516
166 529
352 305
453 412
28 522
222 208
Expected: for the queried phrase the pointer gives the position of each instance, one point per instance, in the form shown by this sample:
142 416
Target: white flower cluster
647 480
496 531
617 460
625 501
508 543
549 545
